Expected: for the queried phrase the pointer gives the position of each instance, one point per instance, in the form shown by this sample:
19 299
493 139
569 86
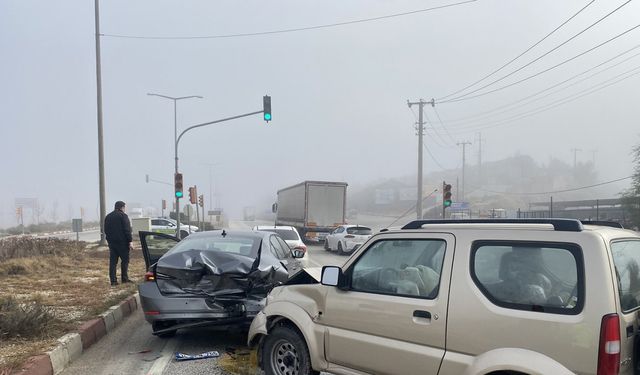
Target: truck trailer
314 208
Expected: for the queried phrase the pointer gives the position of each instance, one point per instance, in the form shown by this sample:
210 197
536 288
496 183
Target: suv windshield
362 231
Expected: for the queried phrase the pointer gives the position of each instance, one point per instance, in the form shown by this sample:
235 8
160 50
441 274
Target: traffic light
178 185
446 194
266 108
193 195
201 200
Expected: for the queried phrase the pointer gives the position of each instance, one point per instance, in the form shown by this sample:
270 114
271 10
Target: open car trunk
218 274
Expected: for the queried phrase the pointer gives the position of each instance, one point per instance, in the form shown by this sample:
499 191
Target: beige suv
545 296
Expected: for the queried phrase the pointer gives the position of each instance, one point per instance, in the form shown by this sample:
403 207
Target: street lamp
175 143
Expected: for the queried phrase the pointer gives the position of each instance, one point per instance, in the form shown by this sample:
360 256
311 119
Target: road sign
215 213
460 205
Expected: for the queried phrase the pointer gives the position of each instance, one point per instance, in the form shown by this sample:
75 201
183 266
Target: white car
347 238
289 234
169 226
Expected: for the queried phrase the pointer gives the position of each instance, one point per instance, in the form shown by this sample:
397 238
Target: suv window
626 258
530 276
400 267
363 231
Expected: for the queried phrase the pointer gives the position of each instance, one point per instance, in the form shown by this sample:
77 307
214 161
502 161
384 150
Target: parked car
491 297
169 226
211 278
347 238
288 233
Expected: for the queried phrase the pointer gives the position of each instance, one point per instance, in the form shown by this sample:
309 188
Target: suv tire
285 353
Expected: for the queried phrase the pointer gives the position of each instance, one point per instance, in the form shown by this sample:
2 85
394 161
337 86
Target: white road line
167 354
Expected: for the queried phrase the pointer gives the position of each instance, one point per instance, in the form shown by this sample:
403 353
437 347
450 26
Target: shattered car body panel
211 278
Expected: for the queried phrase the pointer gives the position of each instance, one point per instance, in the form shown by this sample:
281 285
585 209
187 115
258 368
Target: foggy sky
339 95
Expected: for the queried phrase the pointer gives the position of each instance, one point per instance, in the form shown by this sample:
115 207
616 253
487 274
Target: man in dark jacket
117 229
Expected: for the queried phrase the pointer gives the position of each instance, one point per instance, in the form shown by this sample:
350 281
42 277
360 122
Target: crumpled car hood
217 273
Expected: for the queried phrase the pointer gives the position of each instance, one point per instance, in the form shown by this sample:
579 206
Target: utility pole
575 156
103 204
593 157
421 103
464 156
480 158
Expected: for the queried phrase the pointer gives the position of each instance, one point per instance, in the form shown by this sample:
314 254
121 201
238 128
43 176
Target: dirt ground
74 288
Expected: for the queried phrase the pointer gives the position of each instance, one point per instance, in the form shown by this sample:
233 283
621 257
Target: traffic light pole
176 153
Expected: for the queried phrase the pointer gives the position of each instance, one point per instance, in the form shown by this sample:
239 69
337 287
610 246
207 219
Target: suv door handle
422 314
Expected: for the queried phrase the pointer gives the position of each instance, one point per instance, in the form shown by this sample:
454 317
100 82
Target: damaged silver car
211 278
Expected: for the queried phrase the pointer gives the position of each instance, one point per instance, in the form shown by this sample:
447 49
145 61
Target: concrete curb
71 346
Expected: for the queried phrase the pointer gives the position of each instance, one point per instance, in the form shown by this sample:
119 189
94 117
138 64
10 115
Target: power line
557 191
520 55
442 123
460 97
563 101
541 72
434 158
497 110
282 31
444 141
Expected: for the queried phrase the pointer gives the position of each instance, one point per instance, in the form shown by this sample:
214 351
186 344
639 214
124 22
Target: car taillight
300 247
609 349
149 276
349 236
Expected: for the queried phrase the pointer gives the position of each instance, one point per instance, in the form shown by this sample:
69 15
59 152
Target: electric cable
282 31
520 55
557 191
466 96
497 110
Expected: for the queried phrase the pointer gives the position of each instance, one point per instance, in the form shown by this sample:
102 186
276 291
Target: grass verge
49 288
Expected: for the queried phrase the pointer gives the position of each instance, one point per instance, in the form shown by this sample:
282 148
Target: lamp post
175 143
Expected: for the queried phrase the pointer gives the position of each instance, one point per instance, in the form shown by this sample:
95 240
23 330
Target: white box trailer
314 208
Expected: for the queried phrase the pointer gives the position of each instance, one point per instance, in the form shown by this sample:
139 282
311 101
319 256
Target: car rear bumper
157 307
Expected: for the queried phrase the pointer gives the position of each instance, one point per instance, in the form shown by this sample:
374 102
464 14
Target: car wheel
183 234
285 353
157 326
326 245
340 250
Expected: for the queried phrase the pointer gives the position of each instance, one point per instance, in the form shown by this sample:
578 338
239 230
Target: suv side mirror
333 276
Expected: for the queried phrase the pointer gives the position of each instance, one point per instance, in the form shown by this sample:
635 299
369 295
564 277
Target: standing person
117 229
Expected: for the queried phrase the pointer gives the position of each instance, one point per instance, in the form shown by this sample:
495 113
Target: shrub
23 247
27 320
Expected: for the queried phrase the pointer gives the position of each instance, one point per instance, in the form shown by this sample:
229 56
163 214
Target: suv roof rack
604 223
564 225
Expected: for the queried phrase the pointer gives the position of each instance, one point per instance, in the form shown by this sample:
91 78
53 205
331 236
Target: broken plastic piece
188 357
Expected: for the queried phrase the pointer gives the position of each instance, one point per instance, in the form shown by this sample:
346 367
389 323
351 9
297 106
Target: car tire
326 245
157 326
285 352
340 250
183 234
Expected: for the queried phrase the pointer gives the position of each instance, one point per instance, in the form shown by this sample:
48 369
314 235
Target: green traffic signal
178 194
447 203
266 108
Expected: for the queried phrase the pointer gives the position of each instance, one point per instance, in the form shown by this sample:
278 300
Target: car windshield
242 245
286 234
362 231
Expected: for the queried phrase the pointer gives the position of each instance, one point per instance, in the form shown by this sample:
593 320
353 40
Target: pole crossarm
213 122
